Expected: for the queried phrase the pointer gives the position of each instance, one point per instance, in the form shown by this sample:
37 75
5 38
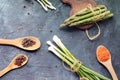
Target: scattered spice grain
20 27
24 6
51 31
28 13
32 3
28 42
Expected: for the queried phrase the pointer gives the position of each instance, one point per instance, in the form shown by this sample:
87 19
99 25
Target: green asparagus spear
92 20
84 17
85 11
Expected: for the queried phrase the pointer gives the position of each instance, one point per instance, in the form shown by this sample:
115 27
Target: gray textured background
42 64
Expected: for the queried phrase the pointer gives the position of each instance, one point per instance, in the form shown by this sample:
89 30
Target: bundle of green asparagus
88 16
75 65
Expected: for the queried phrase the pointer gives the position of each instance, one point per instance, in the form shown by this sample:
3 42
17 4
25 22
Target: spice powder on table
19 60
28 42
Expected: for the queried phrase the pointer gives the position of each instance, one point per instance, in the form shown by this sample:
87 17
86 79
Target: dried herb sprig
46 4
77 66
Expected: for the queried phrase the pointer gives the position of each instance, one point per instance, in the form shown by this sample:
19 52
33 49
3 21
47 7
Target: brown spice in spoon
28 42
19 60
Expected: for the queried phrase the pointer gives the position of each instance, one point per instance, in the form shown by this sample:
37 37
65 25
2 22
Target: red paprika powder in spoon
104 57
103 54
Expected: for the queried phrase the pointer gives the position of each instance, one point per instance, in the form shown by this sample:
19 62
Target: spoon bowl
13 64
19 43
107 63
33 47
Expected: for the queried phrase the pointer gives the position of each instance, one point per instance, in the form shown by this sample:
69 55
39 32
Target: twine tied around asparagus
75 66
95 18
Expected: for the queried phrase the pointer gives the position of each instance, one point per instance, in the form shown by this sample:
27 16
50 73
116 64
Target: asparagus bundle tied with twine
87 16
75 65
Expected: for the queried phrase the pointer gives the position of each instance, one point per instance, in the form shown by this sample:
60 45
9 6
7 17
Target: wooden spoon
13 65
78 5
19 41
107 63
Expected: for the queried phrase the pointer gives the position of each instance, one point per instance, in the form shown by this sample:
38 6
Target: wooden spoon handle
6 41
4 71
111 70
113 74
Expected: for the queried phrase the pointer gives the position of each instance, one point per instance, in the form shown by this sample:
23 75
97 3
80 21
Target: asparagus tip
62 25
55 38
54 51
54 8
49 43
50 48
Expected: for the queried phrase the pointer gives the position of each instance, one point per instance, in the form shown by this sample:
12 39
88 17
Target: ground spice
28 42
103 54
28 13
20 60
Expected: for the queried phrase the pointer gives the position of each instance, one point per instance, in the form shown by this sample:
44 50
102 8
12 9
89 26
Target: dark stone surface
43 65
